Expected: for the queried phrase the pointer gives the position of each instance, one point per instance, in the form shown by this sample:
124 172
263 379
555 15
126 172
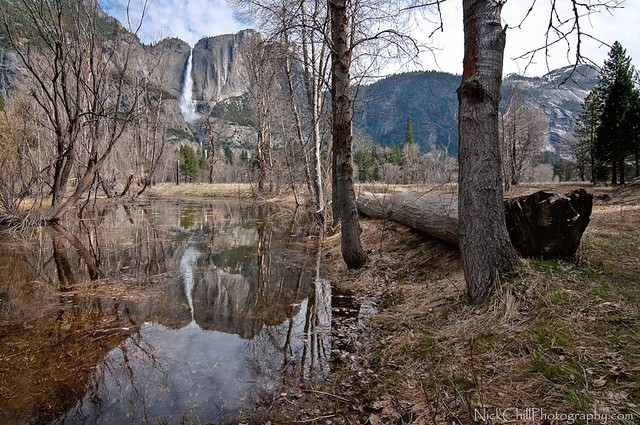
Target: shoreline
558 336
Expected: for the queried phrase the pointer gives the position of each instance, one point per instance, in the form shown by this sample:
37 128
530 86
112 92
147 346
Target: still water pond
160 313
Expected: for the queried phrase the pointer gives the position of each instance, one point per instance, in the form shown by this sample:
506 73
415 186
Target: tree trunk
293 103
548 225
593 166
484 243
435 214
262 160
539 225
314 61
127 186
63 165
344 197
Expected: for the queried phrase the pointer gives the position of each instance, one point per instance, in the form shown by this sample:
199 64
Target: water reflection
158 313
187 264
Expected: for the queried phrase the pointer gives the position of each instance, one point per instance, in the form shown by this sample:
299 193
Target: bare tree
368 33
303 28
315 59
344 197
213 134
148 142
78 67
580 154
484 243
412 164
522 133
20 157
364 34
264 63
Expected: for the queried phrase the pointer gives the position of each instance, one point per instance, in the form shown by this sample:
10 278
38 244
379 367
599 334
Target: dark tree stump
542 224
548 225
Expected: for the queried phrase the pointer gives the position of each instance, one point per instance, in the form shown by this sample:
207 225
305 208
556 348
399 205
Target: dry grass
561 337
200 190
239 191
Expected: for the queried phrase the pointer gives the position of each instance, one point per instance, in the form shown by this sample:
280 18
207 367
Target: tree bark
435 214
542 224
344 197
485 248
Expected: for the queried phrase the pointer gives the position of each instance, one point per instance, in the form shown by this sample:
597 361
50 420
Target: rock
172 55
219 69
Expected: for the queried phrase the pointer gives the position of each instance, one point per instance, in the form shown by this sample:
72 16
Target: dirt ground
557 343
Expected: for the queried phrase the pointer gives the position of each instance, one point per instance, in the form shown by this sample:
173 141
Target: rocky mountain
219 78
172 54
430 100
8 67
559 95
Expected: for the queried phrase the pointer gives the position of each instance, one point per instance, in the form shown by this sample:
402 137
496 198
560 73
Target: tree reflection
110 313
298 349
59 233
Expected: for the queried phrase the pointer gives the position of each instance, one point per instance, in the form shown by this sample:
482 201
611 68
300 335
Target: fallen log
432 213
541 224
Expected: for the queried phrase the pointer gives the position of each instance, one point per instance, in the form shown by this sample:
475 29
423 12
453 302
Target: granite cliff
219 69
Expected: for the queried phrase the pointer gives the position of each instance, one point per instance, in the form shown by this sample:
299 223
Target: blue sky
191 20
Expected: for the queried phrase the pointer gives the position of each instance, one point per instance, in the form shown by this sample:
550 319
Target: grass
560 336
200 190
237 191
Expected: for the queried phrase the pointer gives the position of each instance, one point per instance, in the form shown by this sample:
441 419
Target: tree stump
548 225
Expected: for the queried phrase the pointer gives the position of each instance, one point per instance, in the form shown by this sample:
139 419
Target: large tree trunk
485 248
433 213
344 196
542 224
621 168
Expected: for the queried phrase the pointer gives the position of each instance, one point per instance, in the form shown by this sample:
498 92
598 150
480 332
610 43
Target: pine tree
410 153
188 162
634 135
587 131
616 88
408 137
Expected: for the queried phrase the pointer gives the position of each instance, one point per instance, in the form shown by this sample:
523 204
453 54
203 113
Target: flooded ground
160 313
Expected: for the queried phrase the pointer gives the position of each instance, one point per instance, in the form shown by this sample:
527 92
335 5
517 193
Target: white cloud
189 20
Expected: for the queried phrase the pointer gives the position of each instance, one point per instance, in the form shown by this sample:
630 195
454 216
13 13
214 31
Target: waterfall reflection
141 317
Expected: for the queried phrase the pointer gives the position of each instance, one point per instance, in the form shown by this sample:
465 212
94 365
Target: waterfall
187 104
